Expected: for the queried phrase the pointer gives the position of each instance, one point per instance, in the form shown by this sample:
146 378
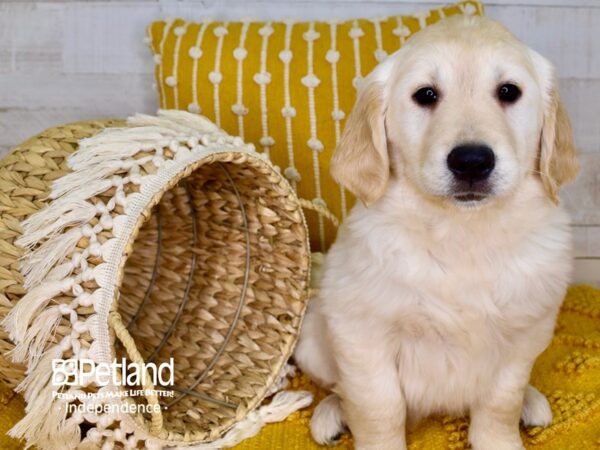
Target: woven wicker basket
170 240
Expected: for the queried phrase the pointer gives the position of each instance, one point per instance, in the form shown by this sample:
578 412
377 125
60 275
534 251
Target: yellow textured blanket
568 372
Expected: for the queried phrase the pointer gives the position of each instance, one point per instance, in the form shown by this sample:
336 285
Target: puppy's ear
558 156
360 162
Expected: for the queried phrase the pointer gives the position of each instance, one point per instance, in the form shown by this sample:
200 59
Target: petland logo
81 372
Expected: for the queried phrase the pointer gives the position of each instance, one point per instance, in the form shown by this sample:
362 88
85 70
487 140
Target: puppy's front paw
536 409
327 425
497 445
487 441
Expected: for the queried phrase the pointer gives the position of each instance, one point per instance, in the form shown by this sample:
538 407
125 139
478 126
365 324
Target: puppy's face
463 120
464 112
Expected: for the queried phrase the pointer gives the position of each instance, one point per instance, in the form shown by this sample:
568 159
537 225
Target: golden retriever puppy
444 284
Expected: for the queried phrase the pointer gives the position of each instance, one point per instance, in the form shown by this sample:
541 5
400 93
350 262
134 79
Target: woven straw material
211 269
26 177
217 266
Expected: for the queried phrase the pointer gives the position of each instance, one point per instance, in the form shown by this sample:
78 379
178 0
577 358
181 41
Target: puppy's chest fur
469 314
453 302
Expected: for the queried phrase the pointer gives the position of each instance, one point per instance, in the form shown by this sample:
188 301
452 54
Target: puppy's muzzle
471 165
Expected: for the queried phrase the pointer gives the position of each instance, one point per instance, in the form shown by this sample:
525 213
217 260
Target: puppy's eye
508 93
426 96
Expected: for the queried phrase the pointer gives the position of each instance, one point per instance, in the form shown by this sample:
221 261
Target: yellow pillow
284 86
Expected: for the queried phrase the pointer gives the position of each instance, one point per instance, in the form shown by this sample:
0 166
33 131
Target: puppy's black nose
471 162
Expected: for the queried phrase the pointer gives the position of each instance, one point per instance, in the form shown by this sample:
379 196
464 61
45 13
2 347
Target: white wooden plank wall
70 60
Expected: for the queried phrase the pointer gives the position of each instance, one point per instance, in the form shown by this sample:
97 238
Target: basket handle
322 210
122 334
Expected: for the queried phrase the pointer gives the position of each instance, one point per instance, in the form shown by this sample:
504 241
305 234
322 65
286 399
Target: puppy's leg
536 409
495 418
312 353
327 423
373 404
314 357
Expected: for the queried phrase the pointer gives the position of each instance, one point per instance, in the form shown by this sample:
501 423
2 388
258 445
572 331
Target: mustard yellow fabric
568 372
12 408
285 87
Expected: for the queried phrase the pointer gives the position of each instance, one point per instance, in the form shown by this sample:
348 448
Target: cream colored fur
428 305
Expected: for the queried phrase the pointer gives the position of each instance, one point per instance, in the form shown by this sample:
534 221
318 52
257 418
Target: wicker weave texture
26 176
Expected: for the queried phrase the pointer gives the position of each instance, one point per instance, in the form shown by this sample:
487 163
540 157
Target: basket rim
177 174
